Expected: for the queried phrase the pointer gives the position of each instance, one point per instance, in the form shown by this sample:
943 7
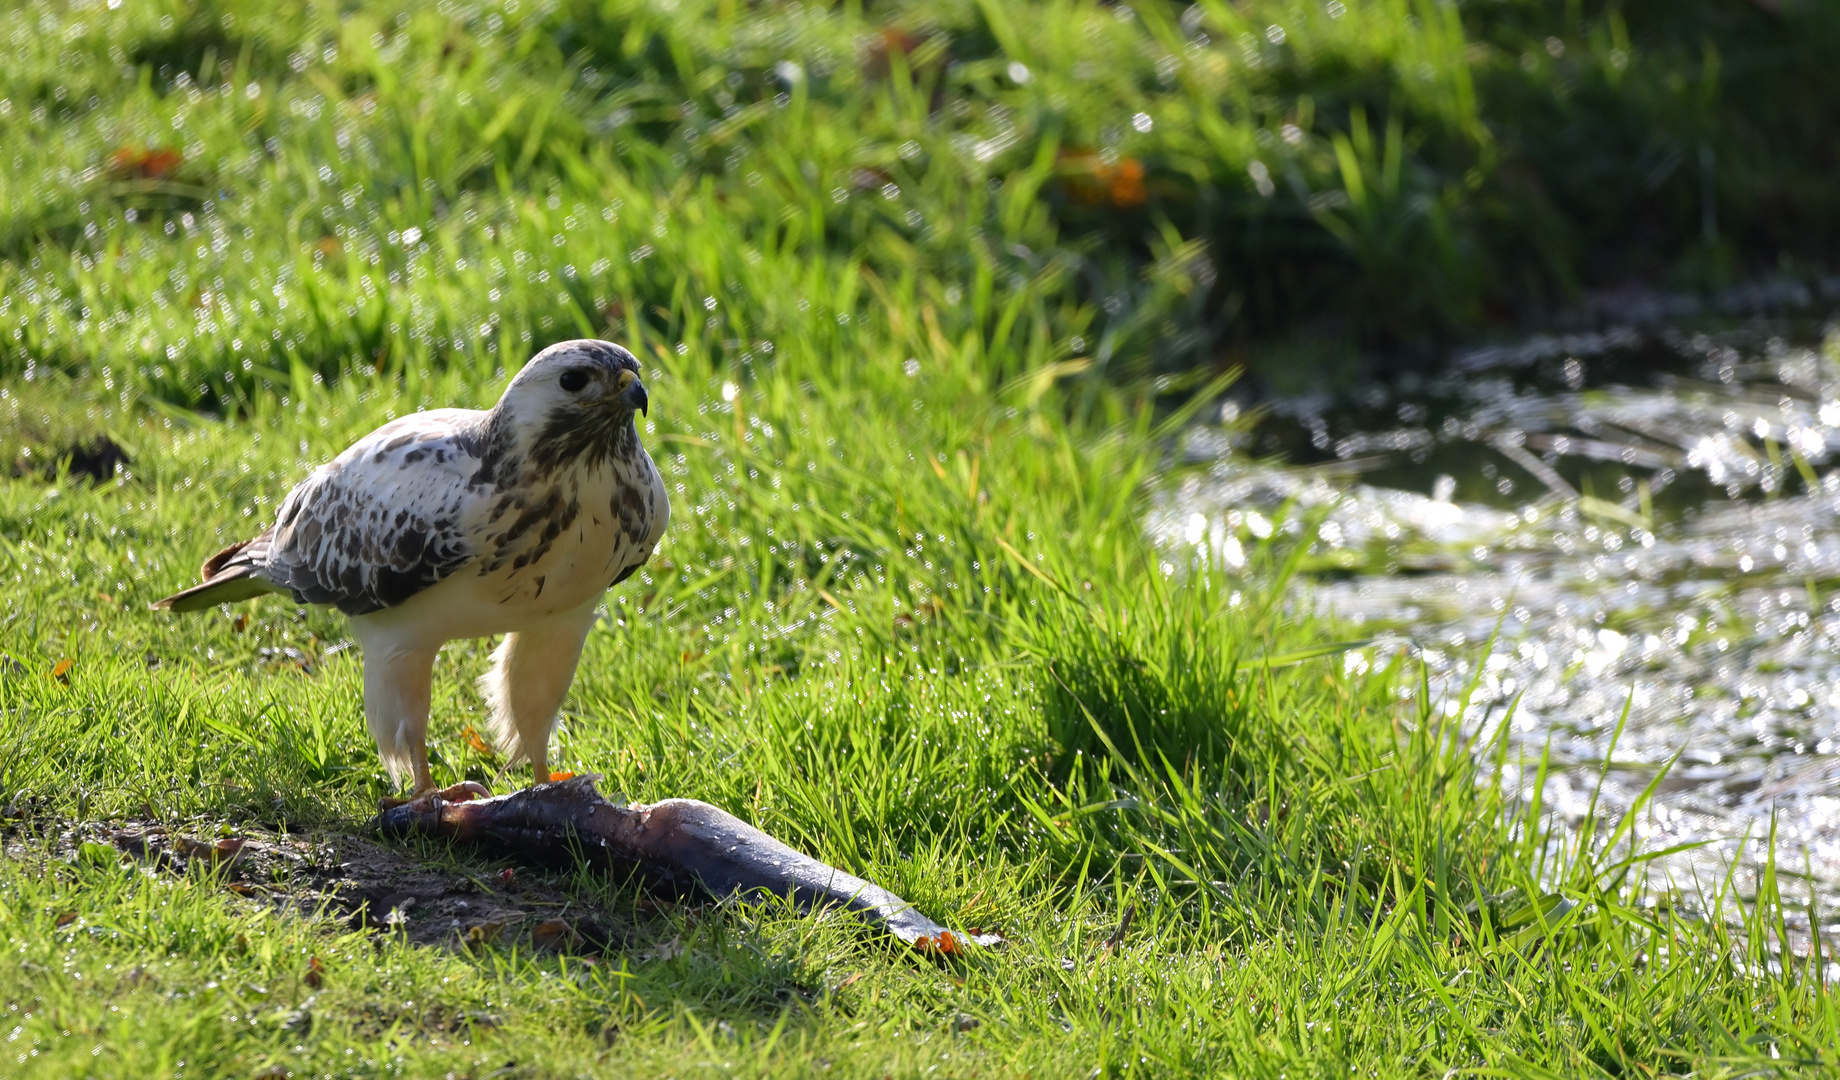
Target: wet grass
906 617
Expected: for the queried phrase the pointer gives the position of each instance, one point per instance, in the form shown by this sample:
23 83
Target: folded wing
389 517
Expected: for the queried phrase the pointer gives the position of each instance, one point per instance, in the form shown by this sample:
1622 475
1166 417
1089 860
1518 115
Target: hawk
456 523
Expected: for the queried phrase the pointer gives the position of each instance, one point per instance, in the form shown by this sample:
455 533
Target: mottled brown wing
389 517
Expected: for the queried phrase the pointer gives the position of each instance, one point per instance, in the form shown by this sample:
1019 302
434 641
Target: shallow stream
1640 518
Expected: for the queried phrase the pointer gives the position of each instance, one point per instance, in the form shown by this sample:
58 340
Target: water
1640 518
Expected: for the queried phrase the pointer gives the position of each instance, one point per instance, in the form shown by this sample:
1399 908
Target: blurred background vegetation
203 200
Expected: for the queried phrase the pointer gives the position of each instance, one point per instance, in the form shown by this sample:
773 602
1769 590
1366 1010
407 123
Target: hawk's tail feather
227 588
229 576
217 563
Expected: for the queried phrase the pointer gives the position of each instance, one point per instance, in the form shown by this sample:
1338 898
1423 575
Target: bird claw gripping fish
675 843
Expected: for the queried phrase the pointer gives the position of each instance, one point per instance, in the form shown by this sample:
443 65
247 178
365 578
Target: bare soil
432 894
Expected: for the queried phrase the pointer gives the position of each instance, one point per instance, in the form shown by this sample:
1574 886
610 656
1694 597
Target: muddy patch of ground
432 895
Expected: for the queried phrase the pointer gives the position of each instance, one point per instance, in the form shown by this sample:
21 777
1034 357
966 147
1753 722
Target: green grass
209 201
836 643
906 616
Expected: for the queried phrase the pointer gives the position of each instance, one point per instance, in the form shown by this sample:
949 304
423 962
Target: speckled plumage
458 523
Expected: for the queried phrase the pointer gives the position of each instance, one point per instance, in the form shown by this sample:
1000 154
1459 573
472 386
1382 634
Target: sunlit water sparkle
1700 588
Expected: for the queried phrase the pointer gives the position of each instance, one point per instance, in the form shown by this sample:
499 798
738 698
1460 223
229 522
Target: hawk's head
579 378
574 398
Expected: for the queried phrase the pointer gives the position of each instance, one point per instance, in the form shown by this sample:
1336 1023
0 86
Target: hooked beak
635 396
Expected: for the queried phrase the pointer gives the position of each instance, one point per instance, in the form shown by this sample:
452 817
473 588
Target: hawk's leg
531 672
397 677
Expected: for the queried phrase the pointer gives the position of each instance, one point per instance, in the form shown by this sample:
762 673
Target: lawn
906 617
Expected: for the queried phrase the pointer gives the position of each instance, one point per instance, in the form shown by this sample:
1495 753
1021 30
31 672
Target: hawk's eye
574 379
